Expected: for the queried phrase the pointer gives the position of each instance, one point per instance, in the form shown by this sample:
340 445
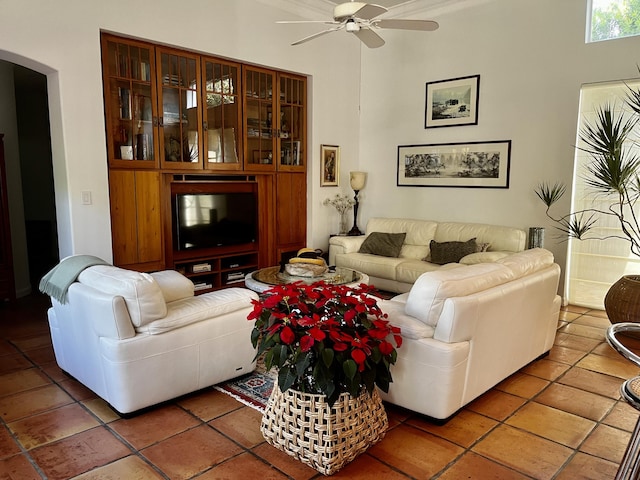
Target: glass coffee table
265 278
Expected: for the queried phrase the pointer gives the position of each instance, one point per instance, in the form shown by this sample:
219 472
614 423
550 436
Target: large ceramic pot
326 438
622 301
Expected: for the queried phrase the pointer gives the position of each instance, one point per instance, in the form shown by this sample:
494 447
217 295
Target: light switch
86 197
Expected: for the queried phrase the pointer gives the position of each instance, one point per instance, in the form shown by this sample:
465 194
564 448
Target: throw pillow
383 244
482 247
451 252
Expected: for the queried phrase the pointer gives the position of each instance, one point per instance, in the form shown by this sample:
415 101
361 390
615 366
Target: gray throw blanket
57 281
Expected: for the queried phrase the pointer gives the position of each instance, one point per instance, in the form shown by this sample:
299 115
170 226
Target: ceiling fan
360 19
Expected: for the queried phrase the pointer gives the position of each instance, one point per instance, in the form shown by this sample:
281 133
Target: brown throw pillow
451 252
383 244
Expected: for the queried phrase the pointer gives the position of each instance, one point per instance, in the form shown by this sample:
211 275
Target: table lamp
357 180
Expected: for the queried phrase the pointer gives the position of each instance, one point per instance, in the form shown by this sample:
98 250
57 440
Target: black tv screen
205 220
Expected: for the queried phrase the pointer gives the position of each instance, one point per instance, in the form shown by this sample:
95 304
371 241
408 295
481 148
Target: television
206 220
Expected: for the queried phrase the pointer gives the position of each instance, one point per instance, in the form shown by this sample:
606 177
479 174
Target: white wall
532 60
531 57
61 39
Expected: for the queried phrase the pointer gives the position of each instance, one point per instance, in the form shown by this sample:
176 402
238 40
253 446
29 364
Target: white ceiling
384 3
397 8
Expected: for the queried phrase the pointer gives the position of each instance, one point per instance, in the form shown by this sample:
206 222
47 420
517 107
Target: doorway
32 205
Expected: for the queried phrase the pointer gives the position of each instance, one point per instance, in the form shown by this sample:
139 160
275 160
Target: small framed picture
453 102
329 165
472 164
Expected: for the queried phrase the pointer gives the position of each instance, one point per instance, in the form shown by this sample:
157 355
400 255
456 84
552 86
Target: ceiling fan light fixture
352 26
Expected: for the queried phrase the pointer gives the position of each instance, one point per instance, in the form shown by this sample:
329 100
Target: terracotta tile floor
559 418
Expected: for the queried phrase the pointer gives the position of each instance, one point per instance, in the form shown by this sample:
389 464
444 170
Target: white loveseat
139 339
467 329
399 274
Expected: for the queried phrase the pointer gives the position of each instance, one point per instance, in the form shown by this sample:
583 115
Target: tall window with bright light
613 19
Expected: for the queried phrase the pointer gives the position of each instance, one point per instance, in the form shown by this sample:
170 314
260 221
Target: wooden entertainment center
180 121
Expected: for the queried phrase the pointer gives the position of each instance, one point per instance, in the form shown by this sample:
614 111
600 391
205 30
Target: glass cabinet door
179 96
130 103
292 125
221 101
259 119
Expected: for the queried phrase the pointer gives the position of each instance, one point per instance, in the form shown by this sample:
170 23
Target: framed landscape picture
452 102
329 165
472 164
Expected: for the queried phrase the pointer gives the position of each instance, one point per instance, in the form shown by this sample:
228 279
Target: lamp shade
357 180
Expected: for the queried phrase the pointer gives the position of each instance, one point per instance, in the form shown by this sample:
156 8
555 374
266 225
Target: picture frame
329 165
453 102
470 164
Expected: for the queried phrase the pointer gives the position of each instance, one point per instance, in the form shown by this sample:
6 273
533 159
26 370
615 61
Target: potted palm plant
331 345
612 177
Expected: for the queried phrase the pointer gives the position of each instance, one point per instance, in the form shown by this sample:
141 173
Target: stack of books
235 277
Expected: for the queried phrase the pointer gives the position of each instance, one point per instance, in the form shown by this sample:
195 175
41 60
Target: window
613 19
595 265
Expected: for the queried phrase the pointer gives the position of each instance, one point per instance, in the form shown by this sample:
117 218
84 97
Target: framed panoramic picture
329 165
452 102
472 164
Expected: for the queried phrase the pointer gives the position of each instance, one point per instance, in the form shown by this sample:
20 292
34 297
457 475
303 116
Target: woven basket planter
305 427
622 301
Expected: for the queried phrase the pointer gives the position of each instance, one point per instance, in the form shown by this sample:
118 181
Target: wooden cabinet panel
179 92
130 102
291 213
149 218
136 219
292 126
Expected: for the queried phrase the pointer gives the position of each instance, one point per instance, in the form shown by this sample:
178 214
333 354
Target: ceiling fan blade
326 22
423 25
315 35
369 11
370 38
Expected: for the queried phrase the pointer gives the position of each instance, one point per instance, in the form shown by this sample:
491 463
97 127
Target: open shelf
210 273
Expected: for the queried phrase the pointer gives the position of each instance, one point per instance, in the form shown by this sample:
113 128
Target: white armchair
139 339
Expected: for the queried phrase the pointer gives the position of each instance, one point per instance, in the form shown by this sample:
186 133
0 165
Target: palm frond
577 225
612 167
550 194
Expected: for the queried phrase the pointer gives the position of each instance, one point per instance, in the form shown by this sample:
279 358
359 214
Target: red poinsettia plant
325 339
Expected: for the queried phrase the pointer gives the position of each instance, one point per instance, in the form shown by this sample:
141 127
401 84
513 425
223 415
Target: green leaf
286 378
550 194
328 356
350 368
376 356
255 336
268 360
369 378
303 362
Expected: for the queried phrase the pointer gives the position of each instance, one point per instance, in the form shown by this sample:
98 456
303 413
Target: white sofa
139 339
399 274
467 329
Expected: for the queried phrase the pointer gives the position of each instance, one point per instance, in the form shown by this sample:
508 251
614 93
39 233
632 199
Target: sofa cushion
451 252
202 307
528 261
140 291
483 257
427 296
409 270
501 238
174 286
372 265
419 233
384 244
410 327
